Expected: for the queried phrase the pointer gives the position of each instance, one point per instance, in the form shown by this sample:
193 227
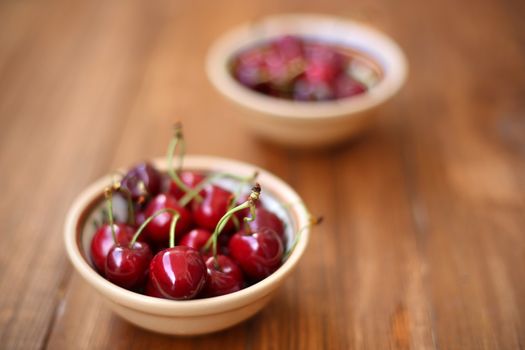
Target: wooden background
423 246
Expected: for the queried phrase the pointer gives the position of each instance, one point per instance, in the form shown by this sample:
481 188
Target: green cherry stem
248 219
313 222
250 203
236 195
174 220
108 193
177 140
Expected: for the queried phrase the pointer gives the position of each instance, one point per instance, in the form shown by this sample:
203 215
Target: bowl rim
239 37
83 203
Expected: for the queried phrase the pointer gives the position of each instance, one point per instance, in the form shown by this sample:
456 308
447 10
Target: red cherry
158 229
250 68
223 242
102 242
128 267
289 47
189 178
196 238
177 273
210 210
324 63
224 276
140 217
345 86
142 177
284 61
152 291
312 90
320 72
277 68
265 218
258 254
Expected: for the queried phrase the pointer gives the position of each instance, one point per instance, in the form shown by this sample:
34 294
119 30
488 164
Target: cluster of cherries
184 236
292 68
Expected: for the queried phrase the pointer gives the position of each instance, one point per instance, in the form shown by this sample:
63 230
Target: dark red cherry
158 229
284 61
258 254
151 291
142 177
102 242
190 179
345 86
224 277
308 90
324 63
288 47
196 238
140 217
265 218
213 206
177 273
223 244
128 267
250 67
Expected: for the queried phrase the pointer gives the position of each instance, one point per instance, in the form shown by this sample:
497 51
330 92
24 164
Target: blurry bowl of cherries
306 80
187 245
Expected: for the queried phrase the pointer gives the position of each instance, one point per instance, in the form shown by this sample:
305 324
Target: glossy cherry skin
143 173
128 267
102 242
212 208
158 229
140 217
152 291
196 238
258 254
265 218
224 277
190 179
177 273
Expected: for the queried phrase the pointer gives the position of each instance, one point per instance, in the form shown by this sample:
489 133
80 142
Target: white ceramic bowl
190 317
307 123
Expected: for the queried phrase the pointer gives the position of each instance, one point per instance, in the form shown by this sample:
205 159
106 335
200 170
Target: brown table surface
423 245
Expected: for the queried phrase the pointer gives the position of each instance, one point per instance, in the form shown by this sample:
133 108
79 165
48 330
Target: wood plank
46 140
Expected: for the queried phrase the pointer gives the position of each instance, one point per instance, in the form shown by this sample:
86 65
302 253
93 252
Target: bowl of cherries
306 80
190 248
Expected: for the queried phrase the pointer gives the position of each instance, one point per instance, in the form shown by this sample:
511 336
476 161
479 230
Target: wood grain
422 246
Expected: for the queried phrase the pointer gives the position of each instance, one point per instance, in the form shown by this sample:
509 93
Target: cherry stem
249 203
174 220
172 229
313 222
177 140
131 211
236 195
108 193
209 179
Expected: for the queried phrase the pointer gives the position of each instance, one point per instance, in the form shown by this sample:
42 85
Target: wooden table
423 245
